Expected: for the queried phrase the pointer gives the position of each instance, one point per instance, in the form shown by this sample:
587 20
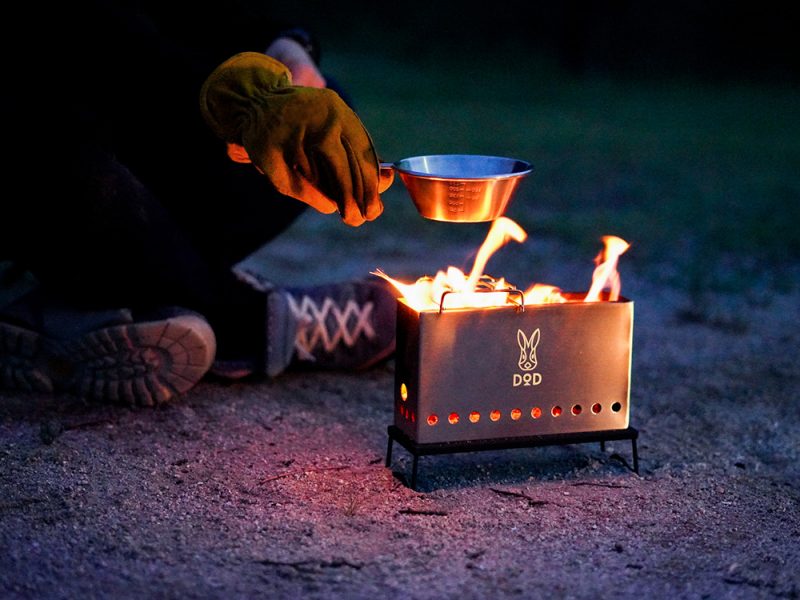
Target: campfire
478 290
481 362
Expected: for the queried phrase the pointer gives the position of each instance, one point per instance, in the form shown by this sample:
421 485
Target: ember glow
478 290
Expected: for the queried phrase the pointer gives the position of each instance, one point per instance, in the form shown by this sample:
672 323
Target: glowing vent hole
596 408
453 418
433 420
494 415
516 414
474 417
556 411
403 392
616 407
577 409
536 412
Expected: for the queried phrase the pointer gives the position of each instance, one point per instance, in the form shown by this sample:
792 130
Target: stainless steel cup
463 188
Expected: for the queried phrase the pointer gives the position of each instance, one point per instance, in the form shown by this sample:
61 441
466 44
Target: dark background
753 40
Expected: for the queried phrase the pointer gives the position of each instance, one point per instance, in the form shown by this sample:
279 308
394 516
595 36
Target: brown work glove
307 141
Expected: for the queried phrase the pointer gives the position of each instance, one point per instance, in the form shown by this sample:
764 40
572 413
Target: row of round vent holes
516 413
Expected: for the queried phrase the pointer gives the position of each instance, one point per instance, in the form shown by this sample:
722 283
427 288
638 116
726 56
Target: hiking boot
105 355
343 326
22 366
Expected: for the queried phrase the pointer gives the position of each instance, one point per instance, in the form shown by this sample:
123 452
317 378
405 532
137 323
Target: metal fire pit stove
513 376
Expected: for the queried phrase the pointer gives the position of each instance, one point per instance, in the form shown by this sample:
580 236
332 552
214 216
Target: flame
478 290
427 292
499 234
605 274
542 293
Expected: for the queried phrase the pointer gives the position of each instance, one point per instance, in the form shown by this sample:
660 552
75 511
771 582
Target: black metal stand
417 450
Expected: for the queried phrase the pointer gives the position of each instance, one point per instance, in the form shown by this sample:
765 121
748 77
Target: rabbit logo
527 359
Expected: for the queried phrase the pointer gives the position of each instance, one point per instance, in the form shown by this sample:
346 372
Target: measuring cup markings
459 191
455 205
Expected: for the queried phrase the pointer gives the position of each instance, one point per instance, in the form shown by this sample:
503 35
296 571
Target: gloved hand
307 141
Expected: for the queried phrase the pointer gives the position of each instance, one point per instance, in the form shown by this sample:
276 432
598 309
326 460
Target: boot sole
136 364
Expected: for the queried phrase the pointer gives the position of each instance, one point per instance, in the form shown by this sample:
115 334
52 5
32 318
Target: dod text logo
527 359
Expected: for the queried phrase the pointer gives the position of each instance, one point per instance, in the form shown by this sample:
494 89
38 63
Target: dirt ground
278 489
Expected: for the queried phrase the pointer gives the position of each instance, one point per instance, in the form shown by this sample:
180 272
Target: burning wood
478 290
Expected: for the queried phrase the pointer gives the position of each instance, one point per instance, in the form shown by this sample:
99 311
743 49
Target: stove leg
414 465
389 451
602 445
635 453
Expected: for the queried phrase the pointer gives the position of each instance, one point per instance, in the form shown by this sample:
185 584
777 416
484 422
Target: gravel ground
278 488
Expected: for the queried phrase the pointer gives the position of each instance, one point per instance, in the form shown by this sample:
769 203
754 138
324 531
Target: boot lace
328 325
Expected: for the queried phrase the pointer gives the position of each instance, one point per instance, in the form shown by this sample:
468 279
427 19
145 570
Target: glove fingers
364 180
386 178
336 184
313 197
346 178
